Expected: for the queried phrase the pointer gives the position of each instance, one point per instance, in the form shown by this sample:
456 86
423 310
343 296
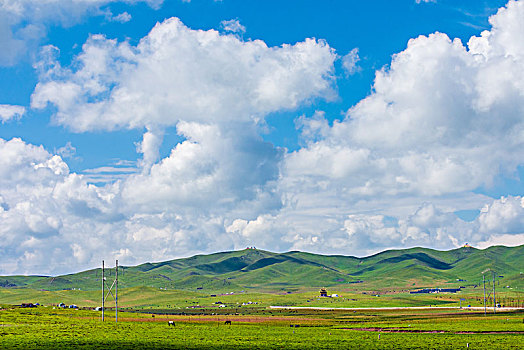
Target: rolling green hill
263 270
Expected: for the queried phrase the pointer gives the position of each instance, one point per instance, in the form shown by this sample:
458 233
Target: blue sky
345 25
308 125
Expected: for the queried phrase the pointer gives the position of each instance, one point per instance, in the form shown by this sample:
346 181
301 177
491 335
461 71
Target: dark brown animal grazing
228 322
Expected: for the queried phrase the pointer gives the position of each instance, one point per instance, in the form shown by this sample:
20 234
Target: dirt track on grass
404 330
475 308
222 319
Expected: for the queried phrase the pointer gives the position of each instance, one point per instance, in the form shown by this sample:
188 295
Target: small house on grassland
323 292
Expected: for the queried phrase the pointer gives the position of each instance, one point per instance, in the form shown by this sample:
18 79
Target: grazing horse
170 323
228 322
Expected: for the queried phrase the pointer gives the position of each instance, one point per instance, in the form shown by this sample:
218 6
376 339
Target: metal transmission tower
493 281
110 290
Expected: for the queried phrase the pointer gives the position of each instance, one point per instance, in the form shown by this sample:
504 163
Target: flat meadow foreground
253 299
52 328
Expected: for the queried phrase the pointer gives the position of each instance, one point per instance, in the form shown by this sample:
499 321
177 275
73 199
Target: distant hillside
250 268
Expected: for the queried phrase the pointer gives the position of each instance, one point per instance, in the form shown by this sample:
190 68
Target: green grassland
143 298
53 328
201 292
292 271
290 279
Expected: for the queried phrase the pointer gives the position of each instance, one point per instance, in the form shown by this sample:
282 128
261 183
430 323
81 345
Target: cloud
427 226
11 46
67 151
350 61
442 120
260 232
108 174
216 89
216 170
224 88
505 216
121 17
23 23
505 239
362 234
233 26
150 146
9 112
218 78
54 220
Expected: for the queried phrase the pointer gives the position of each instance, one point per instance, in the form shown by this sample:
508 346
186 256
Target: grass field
200 293
155 298
53 328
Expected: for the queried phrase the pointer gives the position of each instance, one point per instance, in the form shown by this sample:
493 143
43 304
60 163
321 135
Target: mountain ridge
253 268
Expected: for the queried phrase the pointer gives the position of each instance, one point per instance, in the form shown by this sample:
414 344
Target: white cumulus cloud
23 23
121 17
442 120
8 112
505 216
176 73
350 61
216 89
233 26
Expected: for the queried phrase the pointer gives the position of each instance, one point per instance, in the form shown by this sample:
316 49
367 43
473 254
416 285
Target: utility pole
116 292
494 302
110 290
103 290
484 281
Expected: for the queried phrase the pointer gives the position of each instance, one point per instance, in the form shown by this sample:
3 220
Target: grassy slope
247 269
